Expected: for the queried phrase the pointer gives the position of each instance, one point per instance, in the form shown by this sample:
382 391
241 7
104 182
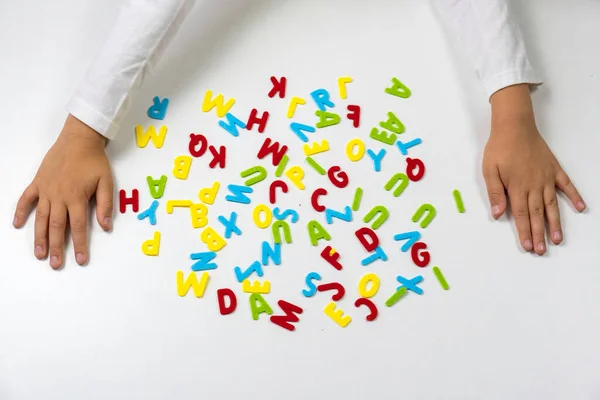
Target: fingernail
80 258
527 244
541 247
495 211
107 223
38 251
16 221
54 261
581 206
557 235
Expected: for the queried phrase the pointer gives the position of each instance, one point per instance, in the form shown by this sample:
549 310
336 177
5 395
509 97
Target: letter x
410 284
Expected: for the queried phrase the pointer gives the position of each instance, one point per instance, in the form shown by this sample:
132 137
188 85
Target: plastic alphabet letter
260 308
362 234
277 226
314 199
337 315
157 186
425 208
253 119
177 203
383 216
261 208
282 216
299 130
404 147
212 239
392 182
274 149
259 171
393 124
316 148
357 199
295 174
150 213
230 225
331 257
254 267
370 305
326 119
256 287
310 161
203 262
398 89
316 232
238 194
134 201
383 136
377 158
352 155
411 284
218 156
364 282
292 107
411 164
194 141
192 281
221 294
410 237
342 81
340 291
420 259
274 185
396 296
142 138
285 321
440 278
354 115
378 255
281 166
198 215
312 288
210 103
321 98
338 177
344 216
158 109
232 124
274 253
278 87
208 195
150 247
181 167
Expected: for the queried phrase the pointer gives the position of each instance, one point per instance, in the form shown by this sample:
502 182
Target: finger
40 241
496 194
553 215
104 202
56 232
24 206
535 200
563 182
520 211
78 224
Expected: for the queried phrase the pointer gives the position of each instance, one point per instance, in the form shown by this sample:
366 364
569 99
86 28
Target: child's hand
74 169
517 158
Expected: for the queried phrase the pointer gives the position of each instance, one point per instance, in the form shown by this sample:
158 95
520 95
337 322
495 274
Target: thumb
496 194
104 202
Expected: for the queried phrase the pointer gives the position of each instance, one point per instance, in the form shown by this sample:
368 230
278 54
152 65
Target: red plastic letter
262 121
421 259
314 199
372 307
354 115
411 164
221 293
275 185
194 140
278 87
340 180
134 200
218 157
333 286
290 316
268 148
362 233
331 258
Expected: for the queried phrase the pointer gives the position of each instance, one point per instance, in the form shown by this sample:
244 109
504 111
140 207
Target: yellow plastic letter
213 240
256 287
256 216
210 103
198 214
337 315
142 138
198 286
150 247
342 85
316 148
364 282
293 103
181 166
208 195
352 156
296 174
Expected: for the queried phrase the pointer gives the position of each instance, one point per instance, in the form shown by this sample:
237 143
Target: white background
513 325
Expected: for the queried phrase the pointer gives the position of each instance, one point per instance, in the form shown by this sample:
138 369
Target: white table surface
512 326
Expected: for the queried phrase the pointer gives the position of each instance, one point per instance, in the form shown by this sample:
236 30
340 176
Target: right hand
74 169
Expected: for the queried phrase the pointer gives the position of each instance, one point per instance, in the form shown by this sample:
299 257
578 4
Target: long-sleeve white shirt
144 28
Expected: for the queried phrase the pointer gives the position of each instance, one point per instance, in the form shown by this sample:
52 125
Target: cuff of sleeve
83 111
515 77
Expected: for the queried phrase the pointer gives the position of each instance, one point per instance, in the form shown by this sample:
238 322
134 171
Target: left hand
518 161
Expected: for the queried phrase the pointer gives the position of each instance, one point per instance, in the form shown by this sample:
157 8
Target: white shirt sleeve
493 41
140 36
